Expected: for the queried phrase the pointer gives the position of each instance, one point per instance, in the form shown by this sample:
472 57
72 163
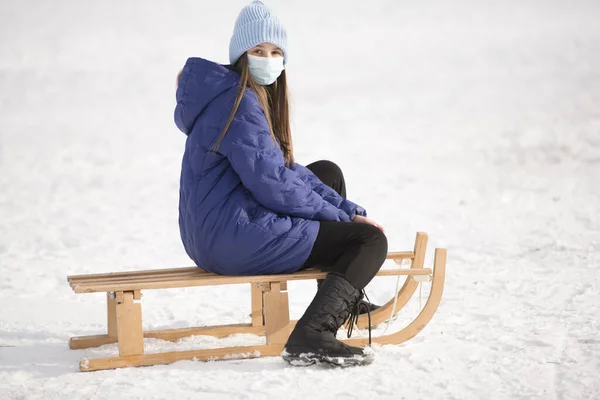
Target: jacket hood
201 81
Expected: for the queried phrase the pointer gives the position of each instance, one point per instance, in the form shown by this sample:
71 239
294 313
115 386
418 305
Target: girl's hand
365 220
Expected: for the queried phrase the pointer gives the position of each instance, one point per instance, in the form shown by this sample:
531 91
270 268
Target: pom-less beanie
256 24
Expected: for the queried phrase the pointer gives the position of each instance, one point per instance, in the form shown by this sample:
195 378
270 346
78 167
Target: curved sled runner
270 312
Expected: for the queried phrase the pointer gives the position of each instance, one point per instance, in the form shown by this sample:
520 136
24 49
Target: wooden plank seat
269 317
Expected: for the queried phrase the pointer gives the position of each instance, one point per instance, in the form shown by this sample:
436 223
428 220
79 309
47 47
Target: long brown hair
274 101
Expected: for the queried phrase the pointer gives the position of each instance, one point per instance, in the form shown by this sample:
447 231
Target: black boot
364 306
313 339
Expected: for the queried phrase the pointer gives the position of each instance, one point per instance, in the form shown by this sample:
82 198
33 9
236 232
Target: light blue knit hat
256 24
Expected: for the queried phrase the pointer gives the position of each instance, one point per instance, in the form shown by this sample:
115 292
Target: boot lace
355 313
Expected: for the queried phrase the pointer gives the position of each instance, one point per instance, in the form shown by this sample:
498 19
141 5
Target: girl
247 208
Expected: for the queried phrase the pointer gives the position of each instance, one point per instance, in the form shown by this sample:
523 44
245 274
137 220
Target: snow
477 122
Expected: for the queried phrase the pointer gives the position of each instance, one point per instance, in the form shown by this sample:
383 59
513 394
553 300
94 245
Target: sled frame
269 315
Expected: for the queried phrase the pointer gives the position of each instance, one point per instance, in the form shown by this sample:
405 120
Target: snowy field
477 122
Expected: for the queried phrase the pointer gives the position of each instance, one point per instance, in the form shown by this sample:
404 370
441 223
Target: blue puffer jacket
241 210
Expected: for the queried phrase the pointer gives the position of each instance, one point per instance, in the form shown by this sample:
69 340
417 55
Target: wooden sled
270 312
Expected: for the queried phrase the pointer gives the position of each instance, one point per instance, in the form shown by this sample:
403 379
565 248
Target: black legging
353 249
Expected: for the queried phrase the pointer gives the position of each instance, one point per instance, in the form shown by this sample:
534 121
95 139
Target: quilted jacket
241 210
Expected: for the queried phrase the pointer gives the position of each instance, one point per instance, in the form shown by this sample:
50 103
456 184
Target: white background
477 122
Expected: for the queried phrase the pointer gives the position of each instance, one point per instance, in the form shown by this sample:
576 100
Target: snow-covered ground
477 122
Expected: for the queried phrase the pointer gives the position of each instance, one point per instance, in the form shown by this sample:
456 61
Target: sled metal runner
270 311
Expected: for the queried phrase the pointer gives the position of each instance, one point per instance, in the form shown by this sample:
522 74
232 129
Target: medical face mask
265 70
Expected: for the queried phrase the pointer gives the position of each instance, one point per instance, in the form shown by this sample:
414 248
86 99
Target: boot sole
308 359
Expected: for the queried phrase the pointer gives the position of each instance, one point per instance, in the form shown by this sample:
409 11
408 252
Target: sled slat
194 271
132 273
214 279
143 278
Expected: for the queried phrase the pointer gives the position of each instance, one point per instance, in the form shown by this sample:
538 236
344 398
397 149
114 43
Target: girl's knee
331 167
382 243
376 239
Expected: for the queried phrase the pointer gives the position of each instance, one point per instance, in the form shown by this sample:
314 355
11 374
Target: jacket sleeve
260 165
327 193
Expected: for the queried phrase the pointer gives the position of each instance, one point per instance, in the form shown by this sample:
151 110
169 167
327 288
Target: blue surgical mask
265 70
